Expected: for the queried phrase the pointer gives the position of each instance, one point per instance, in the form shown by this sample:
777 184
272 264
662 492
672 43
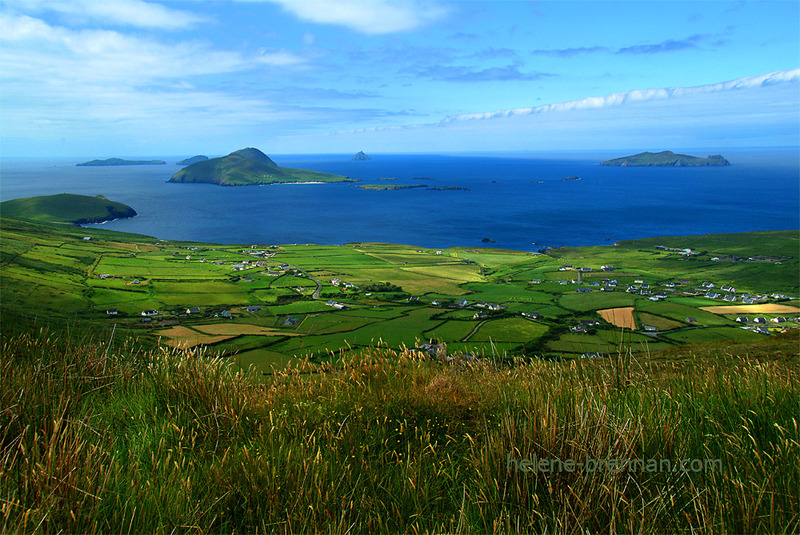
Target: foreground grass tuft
100 437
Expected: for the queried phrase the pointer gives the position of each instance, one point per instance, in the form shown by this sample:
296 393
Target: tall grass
100 437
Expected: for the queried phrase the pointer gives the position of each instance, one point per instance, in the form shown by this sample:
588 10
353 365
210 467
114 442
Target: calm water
517 201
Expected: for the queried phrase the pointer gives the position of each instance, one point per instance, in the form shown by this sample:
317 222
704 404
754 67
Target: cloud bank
636 95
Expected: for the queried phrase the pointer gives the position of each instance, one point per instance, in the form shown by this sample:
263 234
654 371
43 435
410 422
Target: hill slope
193 159
666 159
247 167
66 208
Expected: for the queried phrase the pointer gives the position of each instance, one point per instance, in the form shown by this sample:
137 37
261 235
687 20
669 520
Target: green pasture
451 331
711 334
583 302
518 330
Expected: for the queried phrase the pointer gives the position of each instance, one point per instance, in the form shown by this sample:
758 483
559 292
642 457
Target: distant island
119 161
247 167
387 187
361 157
570 178
666 159
193 159
448 188
66 208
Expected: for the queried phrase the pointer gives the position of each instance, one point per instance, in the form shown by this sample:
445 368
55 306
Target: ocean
515 201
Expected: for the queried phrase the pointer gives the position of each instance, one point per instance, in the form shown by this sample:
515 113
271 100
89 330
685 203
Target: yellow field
770 308
619 317
184 337
236 329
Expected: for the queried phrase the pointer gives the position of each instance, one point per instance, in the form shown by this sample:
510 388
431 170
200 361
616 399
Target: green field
394 295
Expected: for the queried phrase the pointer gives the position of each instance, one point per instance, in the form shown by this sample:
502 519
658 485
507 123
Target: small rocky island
66 208
666 159
249 167
193 159
361 157
119 161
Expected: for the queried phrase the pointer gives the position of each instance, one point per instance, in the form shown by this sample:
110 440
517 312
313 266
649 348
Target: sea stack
361 157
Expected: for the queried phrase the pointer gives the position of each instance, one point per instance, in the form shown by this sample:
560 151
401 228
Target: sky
116 78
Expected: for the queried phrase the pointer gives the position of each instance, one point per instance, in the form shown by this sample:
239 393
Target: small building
112 311
253 308
226 314
649 328
148 313
193 310
742 319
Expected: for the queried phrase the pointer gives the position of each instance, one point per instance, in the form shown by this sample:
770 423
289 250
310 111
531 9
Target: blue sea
518 201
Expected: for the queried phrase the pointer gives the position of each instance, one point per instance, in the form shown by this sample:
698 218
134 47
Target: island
66 208
119 161
666 159
193 159
448 188
567 179
247 167
388 187
361 157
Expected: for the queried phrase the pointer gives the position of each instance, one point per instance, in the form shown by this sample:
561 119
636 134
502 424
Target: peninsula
248 167
66 208
666 159
119 161
193 159
361 157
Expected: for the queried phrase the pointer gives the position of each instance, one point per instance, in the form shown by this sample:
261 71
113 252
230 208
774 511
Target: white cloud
137 13
636 95
35 52
370 17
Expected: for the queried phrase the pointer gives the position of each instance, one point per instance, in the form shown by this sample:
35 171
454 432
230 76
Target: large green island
666 159
66 208
248 167
110 162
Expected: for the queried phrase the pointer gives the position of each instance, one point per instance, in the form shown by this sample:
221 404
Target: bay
517 201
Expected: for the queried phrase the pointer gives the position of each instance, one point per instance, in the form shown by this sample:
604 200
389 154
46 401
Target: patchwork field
242 301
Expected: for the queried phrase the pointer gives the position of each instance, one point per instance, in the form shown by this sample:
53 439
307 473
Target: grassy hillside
99 435
66 208
666 159
247 167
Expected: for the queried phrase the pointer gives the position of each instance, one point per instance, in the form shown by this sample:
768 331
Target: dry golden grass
183 337
770 308
619 317
236 329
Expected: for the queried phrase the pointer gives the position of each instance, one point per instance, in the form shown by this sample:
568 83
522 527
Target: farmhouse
149 312
193 310
112 311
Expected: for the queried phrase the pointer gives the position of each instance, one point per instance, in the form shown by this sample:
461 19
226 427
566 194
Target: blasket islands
249 167
666 158
110 162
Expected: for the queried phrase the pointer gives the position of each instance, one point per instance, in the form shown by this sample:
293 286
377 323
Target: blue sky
133 77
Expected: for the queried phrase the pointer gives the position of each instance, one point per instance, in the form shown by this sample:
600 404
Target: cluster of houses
341 284
760 324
